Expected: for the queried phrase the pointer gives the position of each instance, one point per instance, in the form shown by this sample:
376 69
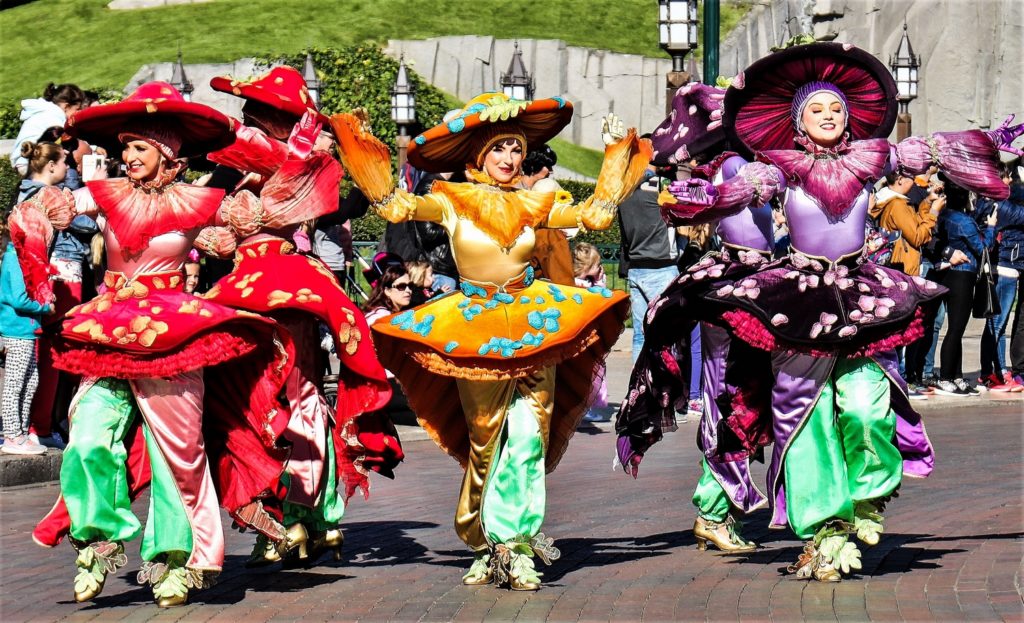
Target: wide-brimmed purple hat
759 104
693 126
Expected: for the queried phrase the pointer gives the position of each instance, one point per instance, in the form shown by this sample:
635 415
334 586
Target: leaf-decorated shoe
94 562
480 571
171 580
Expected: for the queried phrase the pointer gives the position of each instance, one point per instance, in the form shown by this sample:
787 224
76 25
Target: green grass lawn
82 41
576 158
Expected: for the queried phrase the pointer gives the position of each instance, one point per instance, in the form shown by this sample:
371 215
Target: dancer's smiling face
142 161
824 119
504 160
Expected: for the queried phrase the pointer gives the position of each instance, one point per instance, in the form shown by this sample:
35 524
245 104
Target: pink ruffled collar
832 176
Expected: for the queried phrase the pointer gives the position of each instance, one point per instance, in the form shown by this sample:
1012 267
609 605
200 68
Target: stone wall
972 50
595 81
200 75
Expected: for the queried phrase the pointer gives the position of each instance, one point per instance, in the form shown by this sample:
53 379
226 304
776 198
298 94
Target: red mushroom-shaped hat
282 88
157 111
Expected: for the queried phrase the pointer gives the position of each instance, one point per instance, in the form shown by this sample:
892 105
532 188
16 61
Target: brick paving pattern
952 549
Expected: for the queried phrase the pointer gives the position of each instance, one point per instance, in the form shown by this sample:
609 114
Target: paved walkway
953 549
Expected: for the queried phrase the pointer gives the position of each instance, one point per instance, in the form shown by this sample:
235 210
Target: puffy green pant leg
173 530
844 452
709 497
514 497
93 478
329 508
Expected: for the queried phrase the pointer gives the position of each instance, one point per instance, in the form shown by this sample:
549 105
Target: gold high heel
296 539
330 540
722 534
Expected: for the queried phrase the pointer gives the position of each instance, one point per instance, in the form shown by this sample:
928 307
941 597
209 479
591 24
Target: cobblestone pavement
952 549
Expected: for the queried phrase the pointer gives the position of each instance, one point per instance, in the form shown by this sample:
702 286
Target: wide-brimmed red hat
693 126
282 88
196 129
453 144
758 105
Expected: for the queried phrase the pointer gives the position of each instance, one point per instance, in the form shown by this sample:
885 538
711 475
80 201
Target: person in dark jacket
1010 286
649 252
960 232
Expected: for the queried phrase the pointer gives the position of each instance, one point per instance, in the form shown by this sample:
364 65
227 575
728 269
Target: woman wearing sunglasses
392 293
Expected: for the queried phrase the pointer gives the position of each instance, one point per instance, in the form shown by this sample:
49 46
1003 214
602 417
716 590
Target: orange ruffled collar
501 214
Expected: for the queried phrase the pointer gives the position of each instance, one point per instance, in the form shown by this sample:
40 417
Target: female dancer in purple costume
841 422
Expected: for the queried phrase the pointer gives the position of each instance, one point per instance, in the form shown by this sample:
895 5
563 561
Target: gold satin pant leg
485 404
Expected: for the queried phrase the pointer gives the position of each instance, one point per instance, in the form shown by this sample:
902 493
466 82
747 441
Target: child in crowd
20 317
587 269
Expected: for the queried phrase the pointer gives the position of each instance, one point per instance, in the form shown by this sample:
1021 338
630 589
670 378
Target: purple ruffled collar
832 176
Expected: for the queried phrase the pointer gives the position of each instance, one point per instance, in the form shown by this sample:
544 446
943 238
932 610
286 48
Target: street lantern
312 82
403 110
677 35
179 80
517 83
677 29
403 98
904 65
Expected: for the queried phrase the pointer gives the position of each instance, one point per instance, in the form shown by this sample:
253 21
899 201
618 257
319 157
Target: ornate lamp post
517 83
677 35
904 65
179 80
403 109
312 82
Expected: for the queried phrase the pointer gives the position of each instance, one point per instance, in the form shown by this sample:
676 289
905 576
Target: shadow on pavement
383 543
580 553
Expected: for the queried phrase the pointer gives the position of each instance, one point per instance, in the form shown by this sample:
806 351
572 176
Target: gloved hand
694 191
612 129
1005 134
303 136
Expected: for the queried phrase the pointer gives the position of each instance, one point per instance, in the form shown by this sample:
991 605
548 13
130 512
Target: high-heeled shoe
264 553
322 542
295 542
725 535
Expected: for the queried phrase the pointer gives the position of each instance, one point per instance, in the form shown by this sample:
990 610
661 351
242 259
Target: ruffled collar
482 177
501 214
136 213
832 176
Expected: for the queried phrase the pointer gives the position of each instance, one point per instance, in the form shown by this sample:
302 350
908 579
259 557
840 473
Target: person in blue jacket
961 233
995 368
19 325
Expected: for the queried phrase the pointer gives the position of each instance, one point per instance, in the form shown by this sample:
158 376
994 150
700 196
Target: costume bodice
815 233
165 252
480 258
751 228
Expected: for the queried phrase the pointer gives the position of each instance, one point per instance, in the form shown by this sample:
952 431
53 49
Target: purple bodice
751 228
814 233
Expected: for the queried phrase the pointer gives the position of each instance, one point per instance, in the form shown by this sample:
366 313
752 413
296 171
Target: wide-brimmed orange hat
157 110
281 88
454 144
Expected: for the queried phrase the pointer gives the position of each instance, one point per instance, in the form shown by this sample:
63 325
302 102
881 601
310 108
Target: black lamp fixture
403 98
517 83
677 35
309 76
904 66
677 29
179 80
